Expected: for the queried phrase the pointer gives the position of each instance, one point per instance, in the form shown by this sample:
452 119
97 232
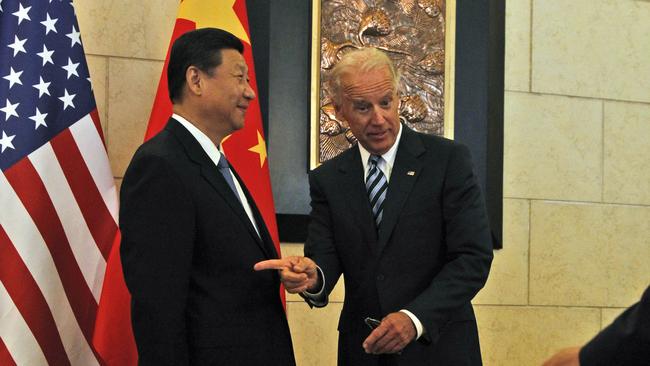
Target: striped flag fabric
58 202
246 148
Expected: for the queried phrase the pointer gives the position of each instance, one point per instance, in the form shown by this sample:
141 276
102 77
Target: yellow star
260 148
213 13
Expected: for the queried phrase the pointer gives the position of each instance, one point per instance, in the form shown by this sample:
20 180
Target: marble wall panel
588 254
591 48
98 67
609 314
508 280
627 153
133 85
517 52
314 333
139 29
118 185
519 335
552 147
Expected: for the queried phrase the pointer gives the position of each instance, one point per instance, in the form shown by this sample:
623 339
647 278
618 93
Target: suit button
380 277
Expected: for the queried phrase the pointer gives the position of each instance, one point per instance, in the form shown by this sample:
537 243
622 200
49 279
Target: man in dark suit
625 342
191 231
401 216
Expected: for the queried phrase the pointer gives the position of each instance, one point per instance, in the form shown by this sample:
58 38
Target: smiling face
369 104
227 92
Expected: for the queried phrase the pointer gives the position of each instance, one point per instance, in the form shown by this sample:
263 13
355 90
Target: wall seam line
530 231
530 49
602 160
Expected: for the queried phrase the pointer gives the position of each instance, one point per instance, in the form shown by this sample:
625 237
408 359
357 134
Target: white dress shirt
213 152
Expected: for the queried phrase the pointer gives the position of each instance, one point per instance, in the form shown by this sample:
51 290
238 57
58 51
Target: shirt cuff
419 329
317 296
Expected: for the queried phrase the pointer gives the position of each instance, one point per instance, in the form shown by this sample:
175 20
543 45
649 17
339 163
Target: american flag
58 204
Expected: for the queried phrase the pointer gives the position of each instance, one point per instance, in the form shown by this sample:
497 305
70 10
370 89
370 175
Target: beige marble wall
576 176
125 43
576 179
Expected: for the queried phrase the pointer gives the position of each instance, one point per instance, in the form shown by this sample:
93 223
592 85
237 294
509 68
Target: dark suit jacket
431 255
625 342
188 250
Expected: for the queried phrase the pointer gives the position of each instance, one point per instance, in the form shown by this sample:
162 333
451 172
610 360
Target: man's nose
249 93
378 116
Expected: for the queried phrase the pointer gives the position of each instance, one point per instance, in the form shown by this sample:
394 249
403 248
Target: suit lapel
352 183
264 239
211 174
218 182
406 170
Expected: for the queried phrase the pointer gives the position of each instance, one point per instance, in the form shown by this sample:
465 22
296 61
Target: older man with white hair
401 216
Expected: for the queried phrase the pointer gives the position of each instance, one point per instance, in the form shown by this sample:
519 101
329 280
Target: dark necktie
224 169
377 185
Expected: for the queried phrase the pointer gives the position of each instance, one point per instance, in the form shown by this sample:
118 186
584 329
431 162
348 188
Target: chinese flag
246 148
113 338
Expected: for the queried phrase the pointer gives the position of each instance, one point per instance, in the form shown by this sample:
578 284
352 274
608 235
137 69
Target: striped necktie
376 185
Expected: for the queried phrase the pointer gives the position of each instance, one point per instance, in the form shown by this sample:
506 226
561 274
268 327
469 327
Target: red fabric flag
246 148
113 338
58 204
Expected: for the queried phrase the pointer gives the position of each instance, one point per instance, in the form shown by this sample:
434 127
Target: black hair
200 48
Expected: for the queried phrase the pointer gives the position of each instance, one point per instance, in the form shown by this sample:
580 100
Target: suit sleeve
468 244
624 342
157 225
320 245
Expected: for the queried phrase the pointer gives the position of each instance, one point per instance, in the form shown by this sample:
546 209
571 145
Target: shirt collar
388 156
208 146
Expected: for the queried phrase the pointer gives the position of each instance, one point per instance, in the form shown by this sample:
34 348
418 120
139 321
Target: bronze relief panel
416 34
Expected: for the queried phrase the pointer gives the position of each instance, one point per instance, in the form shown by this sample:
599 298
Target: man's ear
193 80
337 111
